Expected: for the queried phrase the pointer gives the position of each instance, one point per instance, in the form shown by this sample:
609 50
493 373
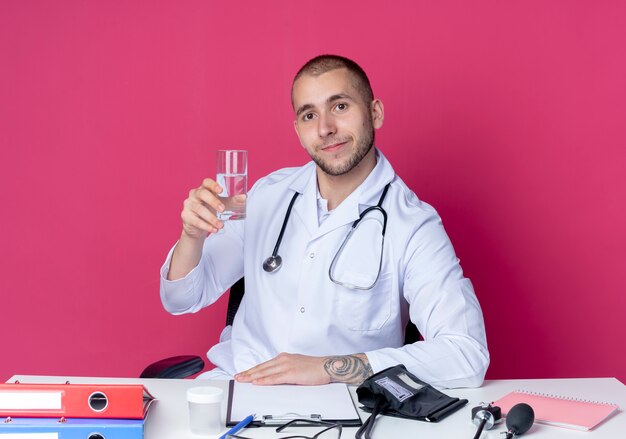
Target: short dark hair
325 63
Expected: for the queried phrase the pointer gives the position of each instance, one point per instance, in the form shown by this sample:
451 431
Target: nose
326 125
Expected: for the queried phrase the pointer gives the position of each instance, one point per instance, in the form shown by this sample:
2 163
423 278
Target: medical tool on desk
397 392
519 420
336 271
485 416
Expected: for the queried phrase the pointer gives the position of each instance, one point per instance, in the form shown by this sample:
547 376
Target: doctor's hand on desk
302 369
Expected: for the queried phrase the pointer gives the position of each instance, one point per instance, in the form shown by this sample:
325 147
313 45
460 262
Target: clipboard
277 405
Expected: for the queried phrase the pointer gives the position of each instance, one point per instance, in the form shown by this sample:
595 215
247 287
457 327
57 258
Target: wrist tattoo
350 369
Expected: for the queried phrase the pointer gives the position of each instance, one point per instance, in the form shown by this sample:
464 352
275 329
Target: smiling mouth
334 147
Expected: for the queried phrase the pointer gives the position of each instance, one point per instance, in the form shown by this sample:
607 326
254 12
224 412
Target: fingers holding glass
200 210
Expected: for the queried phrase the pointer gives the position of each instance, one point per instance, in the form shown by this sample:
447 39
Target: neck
336 188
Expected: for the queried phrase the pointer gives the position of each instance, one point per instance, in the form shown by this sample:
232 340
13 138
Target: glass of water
232 175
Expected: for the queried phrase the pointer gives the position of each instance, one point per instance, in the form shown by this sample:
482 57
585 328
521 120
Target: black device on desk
485 416
518 421
397 392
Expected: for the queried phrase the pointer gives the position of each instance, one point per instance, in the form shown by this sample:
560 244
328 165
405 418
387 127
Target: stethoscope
274 262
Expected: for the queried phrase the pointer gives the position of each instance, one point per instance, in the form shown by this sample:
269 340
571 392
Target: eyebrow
331 99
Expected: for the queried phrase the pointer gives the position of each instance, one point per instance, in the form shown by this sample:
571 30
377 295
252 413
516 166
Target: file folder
113 401
71 428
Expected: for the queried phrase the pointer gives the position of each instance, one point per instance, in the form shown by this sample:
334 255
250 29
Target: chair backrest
237 291
234 299
411 334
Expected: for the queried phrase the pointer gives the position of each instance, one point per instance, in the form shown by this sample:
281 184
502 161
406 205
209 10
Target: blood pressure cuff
397 392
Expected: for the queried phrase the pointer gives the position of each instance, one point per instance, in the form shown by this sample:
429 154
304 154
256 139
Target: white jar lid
204 395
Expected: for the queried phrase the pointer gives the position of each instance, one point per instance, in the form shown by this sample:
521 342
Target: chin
336 169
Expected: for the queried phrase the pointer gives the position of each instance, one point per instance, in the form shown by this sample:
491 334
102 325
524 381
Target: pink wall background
508 117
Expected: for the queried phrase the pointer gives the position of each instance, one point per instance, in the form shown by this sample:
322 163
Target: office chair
183 366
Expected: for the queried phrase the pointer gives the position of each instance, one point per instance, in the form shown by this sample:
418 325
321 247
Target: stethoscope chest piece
273 263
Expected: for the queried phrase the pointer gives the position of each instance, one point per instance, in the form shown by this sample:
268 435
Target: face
334 124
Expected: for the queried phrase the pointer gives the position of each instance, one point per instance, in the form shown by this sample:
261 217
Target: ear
378 113
295 127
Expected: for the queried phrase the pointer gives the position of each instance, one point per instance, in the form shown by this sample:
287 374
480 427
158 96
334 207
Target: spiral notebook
560 411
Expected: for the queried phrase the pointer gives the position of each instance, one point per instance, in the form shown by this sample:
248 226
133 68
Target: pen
239 426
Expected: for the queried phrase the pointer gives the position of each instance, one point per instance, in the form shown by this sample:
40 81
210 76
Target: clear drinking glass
232 175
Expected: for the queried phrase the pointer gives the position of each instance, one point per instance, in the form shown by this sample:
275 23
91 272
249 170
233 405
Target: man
319 319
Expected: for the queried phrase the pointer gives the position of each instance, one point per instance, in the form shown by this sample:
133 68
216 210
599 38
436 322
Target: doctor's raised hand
199 219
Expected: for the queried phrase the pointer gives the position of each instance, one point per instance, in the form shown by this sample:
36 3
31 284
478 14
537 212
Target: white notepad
279 404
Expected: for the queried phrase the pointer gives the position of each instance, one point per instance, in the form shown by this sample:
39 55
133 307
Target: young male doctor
336 309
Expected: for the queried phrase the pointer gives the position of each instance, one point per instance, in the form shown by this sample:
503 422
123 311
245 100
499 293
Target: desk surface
168 418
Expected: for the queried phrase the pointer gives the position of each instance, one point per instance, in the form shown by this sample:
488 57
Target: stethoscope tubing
284 226
277 260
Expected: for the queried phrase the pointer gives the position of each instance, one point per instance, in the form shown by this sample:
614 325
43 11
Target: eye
308 116
341 106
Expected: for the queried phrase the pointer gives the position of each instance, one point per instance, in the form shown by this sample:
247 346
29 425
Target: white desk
168 417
